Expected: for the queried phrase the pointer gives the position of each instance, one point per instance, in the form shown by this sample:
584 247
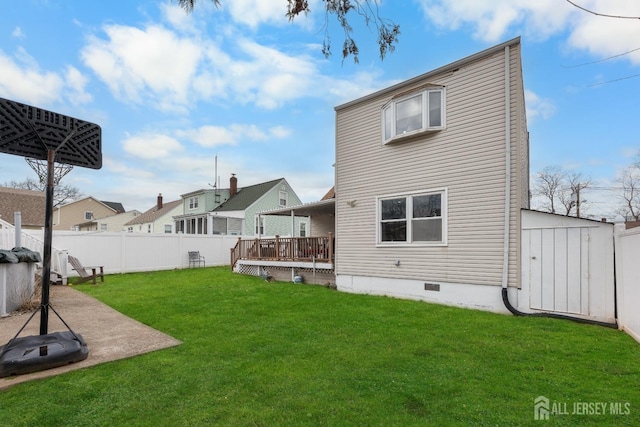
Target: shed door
558 269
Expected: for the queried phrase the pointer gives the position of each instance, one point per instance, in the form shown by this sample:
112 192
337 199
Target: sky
242 84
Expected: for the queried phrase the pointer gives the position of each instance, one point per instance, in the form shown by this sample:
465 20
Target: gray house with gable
237 210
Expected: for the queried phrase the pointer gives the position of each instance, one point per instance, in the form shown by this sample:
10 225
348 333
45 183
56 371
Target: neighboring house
30 204
235 211
432 181
158 219
69 216
631 224
114 223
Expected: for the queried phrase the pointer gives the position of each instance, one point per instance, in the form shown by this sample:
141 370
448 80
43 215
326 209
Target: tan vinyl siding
72 214
321 226
467 158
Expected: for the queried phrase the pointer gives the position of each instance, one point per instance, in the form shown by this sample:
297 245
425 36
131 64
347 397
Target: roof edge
440 70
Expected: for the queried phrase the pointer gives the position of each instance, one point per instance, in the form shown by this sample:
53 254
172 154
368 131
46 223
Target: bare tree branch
547 185
629 180
387 31
61 193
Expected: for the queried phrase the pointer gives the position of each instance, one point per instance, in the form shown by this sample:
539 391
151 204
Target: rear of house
431 175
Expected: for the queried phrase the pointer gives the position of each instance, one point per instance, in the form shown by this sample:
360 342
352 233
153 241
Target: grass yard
278 354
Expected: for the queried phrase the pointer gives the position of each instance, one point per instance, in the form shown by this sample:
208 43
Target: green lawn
278 354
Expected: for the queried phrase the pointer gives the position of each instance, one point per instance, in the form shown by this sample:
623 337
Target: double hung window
193 203
283 198
414 219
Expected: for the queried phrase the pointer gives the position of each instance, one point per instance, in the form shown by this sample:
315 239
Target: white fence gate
567 266
628 280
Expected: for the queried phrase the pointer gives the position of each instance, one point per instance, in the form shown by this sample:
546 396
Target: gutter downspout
507 194
507 208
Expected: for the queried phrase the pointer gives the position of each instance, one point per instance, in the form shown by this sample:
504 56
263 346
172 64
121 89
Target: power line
603 14
601 60
614 80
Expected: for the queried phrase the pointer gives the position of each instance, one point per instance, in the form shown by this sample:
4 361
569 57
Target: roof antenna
216 182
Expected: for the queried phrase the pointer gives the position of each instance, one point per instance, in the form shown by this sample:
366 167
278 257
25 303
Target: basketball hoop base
40 352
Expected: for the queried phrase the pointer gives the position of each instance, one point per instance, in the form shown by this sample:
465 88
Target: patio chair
85 275
195 259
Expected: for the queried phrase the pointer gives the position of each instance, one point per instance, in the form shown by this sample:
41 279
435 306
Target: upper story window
88 215
413 219
410 114
283 199
193 202
260 225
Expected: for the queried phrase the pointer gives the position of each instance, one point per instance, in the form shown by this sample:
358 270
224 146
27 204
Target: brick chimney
233 185
159 201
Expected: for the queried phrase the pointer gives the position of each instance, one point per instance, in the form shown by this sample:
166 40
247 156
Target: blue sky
172 91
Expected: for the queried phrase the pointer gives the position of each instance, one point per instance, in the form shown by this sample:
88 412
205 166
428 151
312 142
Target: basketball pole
48 240
48 230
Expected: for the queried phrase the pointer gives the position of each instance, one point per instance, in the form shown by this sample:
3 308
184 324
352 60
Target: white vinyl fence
628 280
133 252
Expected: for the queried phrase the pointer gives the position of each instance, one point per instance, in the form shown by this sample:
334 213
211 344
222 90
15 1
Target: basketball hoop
42 137
41 168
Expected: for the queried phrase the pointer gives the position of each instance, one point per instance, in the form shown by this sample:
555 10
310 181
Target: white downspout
507 195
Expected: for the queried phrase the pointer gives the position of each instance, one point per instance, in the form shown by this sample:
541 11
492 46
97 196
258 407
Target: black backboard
22 127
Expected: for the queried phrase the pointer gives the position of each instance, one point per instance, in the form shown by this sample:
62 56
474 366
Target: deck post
330 247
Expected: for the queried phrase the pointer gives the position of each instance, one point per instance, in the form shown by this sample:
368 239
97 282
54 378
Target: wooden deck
294 249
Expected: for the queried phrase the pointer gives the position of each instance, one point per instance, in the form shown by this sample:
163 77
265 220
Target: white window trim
193 202
425 114
285 198
444 215
258 219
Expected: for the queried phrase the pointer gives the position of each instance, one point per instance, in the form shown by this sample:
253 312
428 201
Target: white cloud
23 80
211 136
492 20
605 37
256 12
280 132
77 83
121 169
538 107
18 33
151 146
174 71
631 152
151 63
